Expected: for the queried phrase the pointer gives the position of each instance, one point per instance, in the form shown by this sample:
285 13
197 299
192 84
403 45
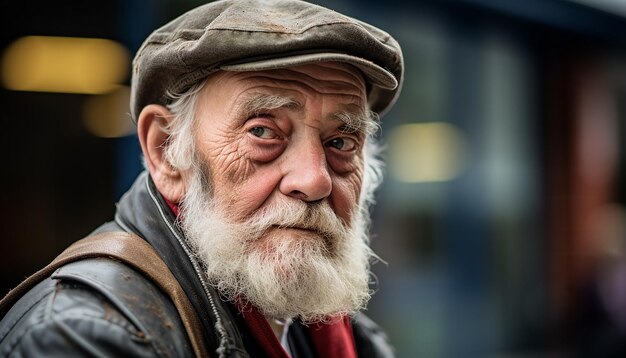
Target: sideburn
206 177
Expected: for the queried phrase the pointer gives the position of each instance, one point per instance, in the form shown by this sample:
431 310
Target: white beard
313 275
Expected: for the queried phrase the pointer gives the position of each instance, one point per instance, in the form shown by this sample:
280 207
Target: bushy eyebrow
359 122
255 104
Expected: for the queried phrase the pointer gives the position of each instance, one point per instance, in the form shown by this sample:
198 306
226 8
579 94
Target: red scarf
330 340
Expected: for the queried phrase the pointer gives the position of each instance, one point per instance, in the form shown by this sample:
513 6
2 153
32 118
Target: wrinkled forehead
330 79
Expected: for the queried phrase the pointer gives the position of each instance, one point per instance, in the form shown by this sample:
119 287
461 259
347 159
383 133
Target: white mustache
318 217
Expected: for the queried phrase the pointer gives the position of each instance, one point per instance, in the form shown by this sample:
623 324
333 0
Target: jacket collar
143 211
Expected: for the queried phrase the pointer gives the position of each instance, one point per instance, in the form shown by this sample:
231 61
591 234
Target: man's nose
306 173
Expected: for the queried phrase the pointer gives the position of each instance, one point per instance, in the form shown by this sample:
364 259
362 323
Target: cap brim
375 74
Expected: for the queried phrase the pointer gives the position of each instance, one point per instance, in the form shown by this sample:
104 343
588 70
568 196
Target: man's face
272 204
282 135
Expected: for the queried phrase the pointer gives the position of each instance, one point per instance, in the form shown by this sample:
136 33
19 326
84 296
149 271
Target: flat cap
251 35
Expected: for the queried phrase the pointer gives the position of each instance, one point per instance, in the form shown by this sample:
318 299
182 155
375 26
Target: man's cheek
345 196
238 170
229 159
256 191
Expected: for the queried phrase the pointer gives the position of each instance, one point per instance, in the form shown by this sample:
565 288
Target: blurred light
613 6
64 64
426 152
107 115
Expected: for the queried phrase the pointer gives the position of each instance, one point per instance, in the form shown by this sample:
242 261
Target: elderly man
248 235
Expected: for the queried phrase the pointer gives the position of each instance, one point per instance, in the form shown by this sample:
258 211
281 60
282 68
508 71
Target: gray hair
180 147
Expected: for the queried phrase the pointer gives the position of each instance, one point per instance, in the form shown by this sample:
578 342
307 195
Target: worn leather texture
96 307
134 252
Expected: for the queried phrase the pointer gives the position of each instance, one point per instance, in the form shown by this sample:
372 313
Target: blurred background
502 218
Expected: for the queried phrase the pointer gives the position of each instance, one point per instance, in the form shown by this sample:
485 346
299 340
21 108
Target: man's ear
153 138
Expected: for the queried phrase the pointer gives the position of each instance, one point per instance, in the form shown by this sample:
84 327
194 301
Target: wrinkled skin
255 158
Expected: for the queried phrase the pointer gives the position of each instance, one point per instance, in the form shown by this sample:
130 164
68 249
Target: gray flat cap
250 35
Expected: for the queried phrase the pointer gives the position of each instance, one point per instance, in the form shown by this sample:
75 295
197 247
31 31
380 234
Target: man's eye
342 143
262 132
